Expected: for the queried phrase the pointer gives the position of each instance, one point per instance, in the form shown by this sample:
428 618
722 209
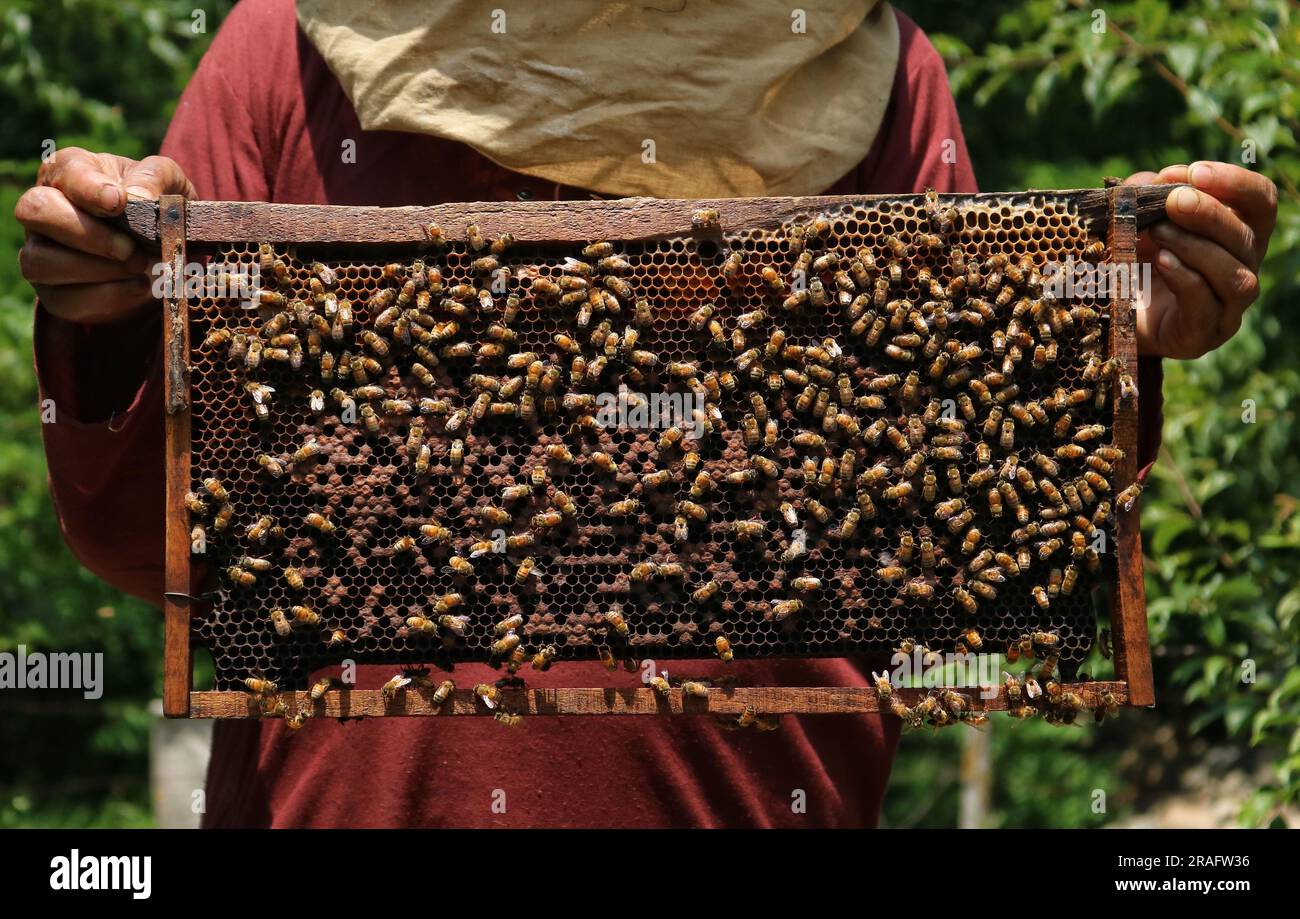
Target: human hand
1206 257
84 268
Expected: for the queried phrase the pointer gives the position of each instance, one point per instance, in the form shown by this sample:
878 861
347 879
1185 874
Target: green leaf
1183 58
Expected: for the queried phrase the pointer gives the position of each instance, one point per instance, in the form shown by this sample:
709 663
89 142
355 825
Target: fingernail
1167 260
110 198
122 247
1184 199
1199 174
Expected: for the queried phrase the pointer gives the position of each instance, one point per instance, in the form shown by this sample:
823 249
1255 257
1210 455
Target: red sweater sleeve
104 448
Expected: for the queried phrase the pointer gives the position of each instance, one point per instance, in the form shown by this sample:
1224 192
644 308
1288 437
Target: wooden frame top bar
558 221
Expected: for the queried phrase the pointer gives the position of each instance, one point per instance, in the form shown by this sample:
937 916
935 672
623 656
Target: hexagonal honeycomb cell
898 350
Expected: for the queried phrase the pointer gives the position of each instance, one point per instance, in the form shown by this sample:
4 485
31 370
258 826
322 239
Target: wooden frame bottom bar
767 700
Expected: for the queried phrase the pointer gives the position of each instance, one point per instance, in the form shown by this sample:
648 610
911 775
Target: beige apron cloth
724 98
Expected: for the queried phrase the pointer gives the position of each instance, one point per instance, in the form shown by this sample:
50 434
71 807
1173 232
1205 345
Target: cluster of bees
875 425
1037 690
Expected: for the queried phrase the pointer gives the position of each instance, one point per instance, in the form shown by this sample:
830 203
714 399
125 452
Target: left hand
1205 256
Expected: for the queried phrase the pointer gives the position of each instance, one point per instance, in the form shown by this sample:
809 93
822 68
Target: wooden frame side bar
1132 645
767 700
177 654
560 221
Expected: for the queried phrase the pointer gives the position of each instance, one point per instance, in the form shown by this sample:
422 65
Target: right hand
83 267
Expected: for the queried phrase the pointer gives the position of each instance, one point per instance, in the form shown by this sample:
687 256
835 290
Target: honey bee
604 462
194 504
706 592
457 625
525 570
216 338
474 236
261 687
705 219
516 660
304 615
784 609
722 648
564 503
458 566
626 508
1107 704
660 685
774 281
280 622
747 717
509 719
442 693
260 529
547 520
319 688
505 644
512 494
318 521
394 685
489 694
337 637
448 602
695 688
1125 500
614 618
898 493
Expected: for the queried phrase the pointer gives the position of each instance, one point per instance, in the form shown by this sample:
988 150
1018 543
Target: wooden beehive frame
1115 214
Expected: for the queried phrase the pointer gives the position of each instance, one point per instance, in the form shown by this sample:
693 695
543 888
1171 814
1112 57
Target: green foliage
105 75
1048 102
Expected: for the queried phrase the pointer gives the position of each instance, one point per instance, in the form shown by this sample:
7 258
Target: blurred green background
1046 101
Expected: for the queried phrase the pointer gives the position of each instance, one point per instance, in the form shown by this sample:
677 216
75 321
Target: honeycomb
362 580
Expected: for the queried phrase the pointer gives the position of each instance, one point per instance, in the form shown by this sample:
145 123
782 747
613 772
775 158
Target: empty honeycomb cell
360 579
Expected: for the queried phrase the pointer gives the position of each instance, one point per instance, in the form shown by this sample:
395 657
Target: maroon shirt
264 119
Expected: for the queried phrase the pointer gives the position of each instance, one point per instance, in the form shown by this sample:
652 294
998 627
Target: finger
1202 214
1252 197
1250 194
86 180
1233 283
48 212
1172 175
44 261
154 176
96 304
1181 331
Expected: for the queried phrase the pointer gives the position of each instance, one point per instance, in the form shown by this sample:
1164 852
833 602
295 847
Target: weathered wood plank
775 700
177 654
554 221
1132 648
